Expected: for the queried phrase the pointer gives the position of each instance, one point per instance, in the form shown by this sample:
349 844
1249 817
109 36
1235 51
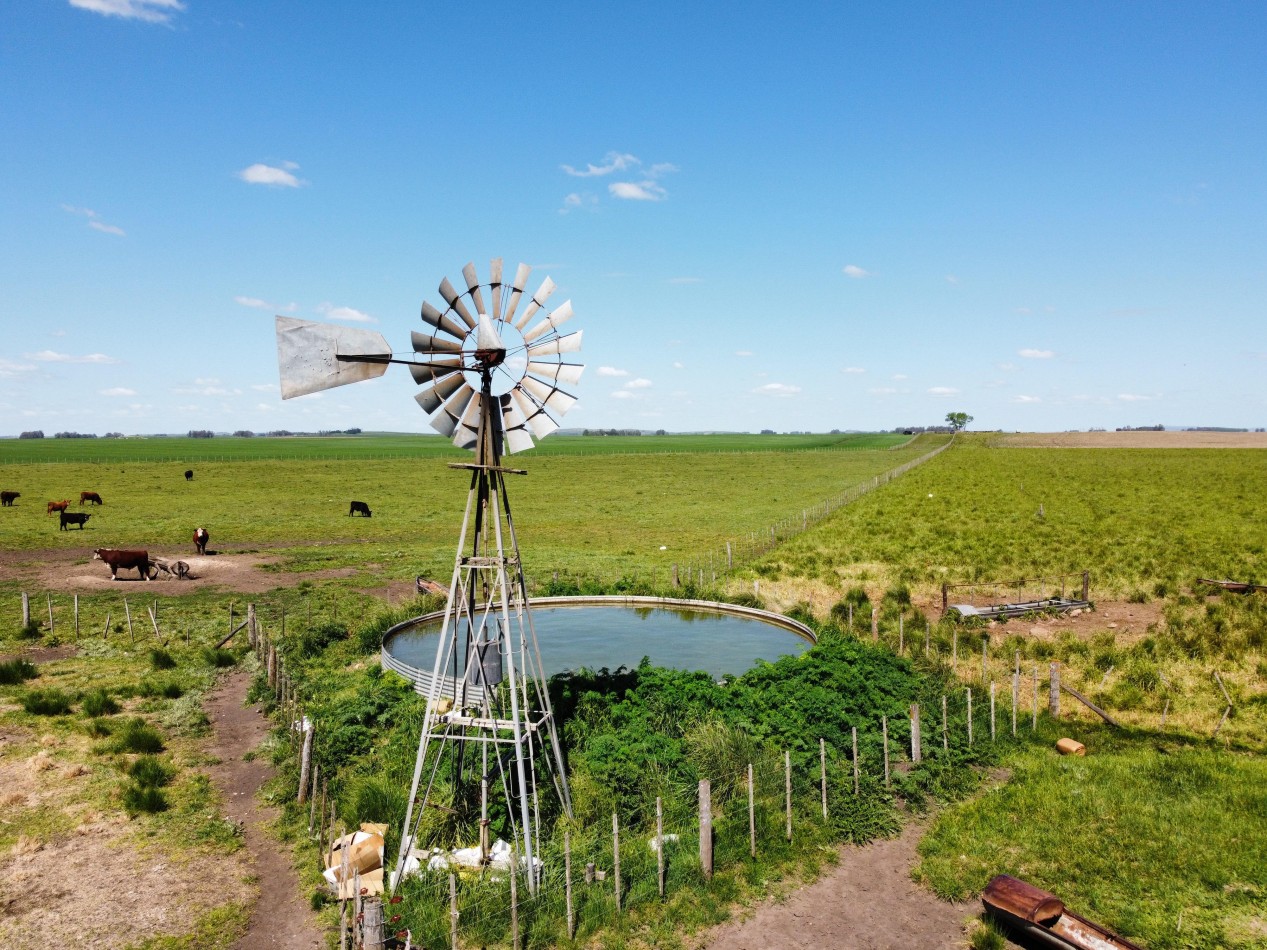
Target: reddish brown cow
201 537
90 496
57 506
117 559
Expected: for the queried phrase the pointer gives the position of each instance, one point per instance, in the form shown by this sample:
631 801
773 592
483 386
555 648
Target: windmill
491 379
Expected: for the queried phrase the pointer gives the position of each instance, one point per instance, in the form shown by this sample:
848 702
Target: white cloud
900 376
952 279
261 174
638 383
611 371
94 220
8 368
623 394
345 313
577 201
637 190
51 356
854 271
1134 397
118 391
743 352
266 387
612 162
1026 399
853 369
148 11
253 302
1032 354
777 389
678 364
942 391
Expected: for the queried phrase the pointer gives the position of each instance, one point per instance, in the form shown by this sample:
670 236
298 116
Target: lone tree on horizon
957 420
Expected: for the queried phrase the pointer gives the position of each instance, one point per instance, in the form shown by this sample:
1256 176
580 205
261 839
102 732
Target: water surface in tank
615 635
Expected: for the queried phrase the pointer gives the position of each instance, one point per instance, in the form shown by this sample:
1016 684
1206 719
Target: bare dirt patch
868 901
280 919
1133 440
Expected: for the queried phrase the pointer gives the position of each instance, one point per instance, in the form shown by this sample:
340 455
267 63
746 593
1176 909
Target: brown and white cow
73 517
201 537
89 496
116 559
57 506
7 498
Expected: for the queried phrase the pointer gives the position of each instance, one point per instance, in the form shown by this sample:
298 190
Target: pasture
1144 522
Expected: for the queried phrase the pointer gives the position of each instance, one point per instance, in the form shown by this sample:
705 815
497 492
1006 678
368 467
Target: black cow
189 474
7 497
73 517
359 508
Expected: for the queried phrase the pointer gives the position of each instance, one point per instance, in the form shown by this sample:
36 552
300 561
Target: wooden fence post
76 618
1016 697
128 613
26 610
787 790
752 817
915 737
901 634
659 851
945 735
884 728
514 894
305 764
252 625
453 911
992 711
875 623
969 715
855 759
822 772
1053 697
706 828
567 882
49 598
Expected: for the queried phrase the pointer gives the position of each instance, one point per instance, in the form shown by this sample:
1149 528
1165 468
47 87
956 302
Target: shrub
316 639
30 632
46 702
214 656
139 799
160 659
99 703
160 689
136 735
17 671
98 728
150 772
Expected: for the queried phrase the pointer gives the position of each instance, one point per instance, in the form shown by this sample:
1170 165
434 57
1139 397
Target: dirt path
281 918
867 902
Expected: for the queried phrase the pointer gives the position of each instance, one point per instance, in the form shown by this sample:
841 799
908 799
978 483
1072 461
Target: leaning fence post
1053 696
706 827
915 737
128 613
49 598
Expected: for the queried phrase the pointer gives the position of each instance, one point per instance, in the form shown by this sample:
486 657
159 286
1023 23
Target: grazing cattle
89 496
58 506
359 508
176 569
200 540
73 517
189 474
117 559
6 498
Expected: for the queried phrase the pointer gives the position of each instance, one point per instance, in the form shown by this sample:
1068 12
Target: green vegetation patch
1159 839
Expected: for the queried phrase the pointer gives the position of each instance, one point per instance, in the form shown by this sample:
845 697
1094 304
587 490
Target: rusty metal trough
1044 917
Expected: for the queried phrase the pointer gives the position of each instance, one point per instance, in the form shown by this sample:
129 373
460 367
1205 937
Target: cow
89 496
73 517
359 507
117 559
176 569
57 506
7 497
200 540
189 474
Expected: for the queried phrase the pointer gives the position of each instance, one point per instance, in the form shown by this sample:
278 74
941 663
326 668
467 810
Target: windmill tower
492 383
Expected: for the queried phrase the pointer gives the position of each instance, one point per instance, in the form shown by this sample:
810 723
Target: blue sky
788 216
